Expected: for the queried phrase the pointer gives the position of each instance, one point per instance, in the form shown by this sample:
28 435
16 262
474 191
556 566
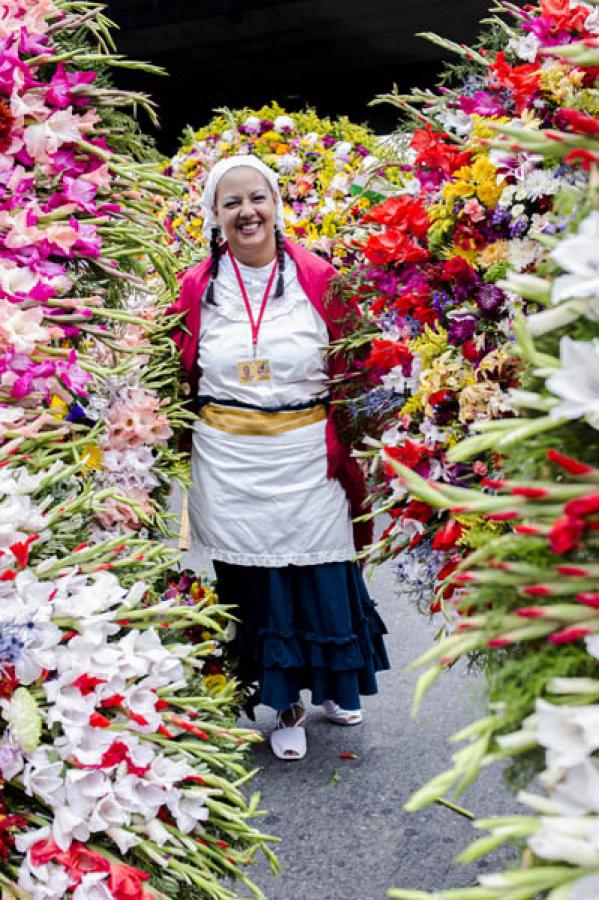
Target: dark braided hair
215 254
280 242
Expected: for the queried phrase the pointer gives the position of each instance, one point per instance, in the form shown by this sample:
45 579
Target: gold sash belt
256 421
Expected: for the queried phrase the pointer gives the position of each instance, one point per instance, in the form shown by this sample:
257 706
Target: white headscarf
220 169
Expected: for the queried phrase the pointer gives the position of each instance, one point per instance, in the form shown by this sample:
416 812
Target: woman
273 488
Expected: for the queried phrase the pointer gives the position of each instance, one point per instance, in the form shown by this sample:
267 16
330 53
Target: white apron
265 500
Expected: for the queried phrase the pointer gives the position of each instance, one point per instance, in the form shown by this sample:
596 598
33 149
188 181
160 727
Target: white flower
574 840
343 148
43 778
108 813
124 839
525 47
579 257
252 123
288 162
140 796
456 120
522 253
283 123
395 380
11 757
59 128
592 645
570 734
576 791
68 826
188 808
591 23
577 382
48 882
93 887
586 888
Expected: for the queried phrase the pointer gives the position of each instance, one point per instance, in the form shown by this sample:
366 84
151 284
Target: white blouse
265 500
292 335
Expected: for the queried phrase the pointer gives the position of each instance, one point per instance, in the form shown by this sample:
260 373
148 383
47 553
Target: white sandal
288 742
339 716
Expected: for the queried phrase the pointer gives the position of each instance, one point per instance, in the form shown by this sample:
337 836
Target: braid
280 242
215 254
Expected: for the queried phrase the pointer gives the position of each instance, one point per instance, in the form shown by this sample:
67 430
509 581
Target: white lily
569 733
577 255
577 382
574 840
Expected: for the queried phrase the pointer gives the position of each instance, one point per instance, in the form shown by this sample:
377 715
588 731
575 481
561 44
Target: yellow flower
484 176
432 343
468 255
457 190
95 458
59 407
215 683
412 406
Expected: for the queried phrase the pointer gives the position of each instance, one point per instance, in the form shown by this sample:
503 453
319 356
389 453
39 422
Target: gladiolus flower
569 635
582 506
571 465
589 598
448 536
565 534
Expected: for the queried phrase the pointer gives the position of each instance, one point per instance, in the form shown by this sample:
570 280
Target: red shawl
314 275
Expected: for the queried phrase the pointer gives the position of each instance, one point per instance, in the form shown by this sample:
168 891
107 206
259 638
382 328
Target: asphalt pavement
344 833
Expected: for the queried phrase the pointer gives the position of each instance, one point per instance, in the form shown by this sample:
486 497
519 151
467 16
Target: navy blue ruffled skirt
301 627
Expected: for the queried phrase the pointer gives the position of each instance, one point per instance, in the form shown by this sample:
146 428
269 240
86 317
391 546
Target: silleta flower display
119 754
329 172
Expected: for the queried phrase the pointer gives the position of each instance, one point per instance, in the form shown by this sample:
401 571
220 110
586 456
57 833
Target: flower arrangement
327 171
523 601
119 756
439 359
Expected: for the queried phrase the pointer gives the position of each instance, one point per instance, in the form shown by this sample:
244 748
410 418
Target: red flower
565 17
565 534
393 246
6 123
523 81
571 465
448 536
126 882
85 684
469 351
582 506
577 121
418 510
582 157
568 635
402 212
457 269
388 354
409 454
433 152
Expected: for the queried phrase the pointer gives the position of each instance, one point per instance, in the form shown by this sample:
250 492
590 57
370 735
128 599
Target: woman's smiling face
245 210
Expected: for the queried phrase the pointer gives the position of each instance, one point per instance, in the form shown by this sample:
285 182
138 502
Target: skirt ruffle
312 627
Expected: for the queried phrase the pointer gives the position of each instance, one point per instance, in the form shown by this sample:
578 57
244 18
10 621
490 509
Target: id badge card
253 370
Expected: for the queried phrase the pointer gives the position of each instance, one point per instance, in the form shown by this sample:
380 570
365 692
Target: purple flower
461 329
489 300
483 103
518 227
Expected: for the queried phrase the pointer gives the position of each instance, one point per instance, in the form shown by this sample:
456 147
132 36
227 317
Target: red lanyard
254 323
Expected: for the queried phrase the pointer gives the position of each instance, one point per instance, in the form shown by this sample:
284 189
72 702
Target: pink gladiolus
61 91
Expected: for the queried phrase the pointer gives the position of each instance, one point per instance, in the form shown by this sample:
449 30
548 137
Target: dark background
335 55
